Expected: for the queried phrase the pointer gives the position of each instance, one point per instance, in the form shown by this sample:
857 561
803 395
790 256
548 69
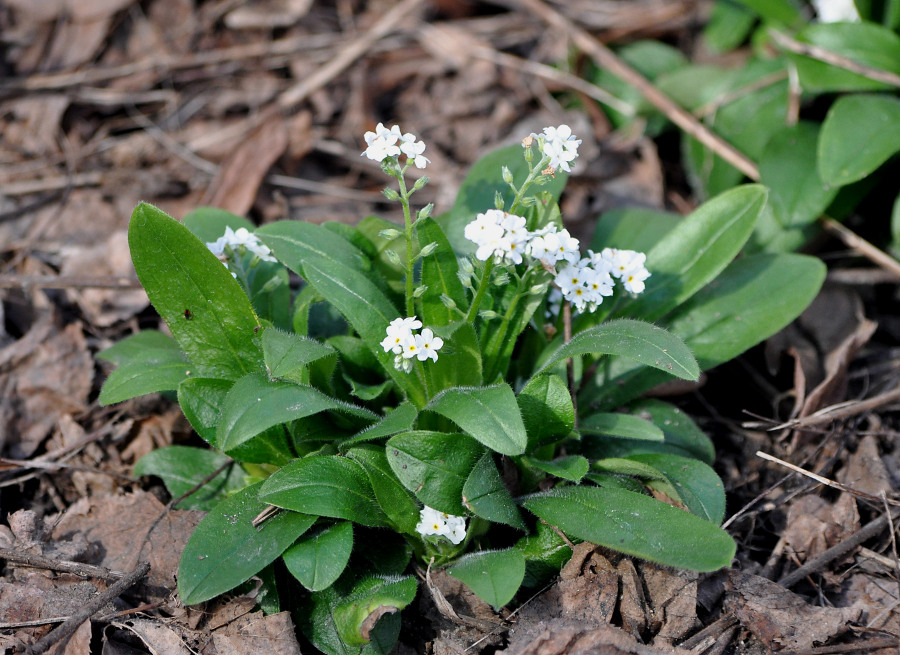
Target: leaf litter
110 102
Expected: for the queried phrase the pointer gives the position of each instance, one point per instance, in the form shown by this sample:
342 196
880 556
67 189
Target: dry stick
859 647
841 411
826 481
710 632
66 566
12 281
829 57
893 536
296 94
606 58
868 531
72 624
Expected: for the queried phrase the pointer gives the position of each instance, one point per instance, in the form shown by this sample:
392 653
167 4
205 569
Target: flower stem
407 221
482 288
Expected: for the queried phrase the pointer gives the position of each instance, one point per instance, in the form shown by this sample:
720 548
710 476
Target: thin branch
66 566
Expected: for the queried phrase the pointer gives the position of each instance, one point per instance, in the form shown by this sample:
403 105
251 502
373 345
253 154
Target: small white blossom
241 238
406 344
633 281
498 234
625 265
836 11
382 143
428 345
433 522
413 150
398 333
560 145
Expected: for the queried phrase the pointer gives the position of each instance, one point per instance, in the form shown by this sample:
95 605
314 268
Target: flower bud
429 249
393 257
389 234
420 291
391 194
425 212
449 303
488 314
421 182
465 280
498 200
271 284
529 154
507 175
537 289
465 266
501 279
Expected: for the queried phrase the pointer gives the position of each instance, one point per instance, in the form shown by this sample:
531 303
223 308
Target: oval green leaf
182 468
624 426
636 525
396 501
494 575
697 485
151 371
547 410
485 495
226 549
488 414
317 560
325 485
370 599
205 308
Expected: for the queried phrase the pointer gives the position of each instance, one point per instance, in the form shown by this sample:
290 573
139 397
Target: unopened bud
537 289
465 266
527 141
391 194
449 303
529 154
429 249
501 280
420 291
425 212
271 284
393 257
465 280
421 182
488 314
498 200
389 234
507 175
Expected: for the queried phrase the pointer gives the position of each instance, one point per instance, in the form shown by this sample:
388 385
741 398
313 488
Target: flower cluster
585 282
498 234
406 344
432 522
234 240
383 143
560 145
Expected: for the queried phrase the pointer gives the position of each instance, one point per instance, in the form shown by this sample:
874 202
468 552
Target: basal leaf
641 342
201 401
395 500
485 495
182 468
226 549
205 308
636 525
323 485
317 559
151 371
624 426
209 223
570 467
401 419
256 403
488 414
547 410
697 485
136 344
494 575
372 598
439 275
434 466
287 354
859 134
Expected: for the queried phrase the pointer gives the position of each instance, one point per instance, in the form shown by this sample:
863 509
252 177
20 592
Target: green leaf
624 426
209 223
638 341
256 403
864 43
439 274
316 560
632 228
136 344
287 354
494 575
226 549
356 615
434 466
750 301
570 467
694 252
728 27
775 11
205 308
484 495
151 371
460 360
859 134
696 484
401 419
476 194
293 242
545 553
547 410
201 400
325 485
623 466
488 414
395 500
636 525
788 167
182 468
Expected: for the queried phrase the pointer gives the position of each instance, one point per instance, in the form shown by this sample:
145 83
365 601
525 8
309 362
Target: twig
66 566
12 281
863 247
826 481
829 57
840 411
710 632
71 624
868 646
28 187
887 512
868 531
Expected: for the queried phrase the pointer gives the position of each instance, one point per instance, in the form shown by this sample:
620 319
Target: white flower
427 345
836 11
626 265
382 143
625 261
498 234
399 332
561 146
413 150
433 522
633 281
242 238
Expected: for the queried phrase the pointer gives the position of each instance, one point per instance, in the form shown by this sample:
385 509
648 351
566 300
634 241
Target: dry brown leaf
672 594
865 471
601 640
77 643
159 637
237 182
256 634
33 124
780 618
814 525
